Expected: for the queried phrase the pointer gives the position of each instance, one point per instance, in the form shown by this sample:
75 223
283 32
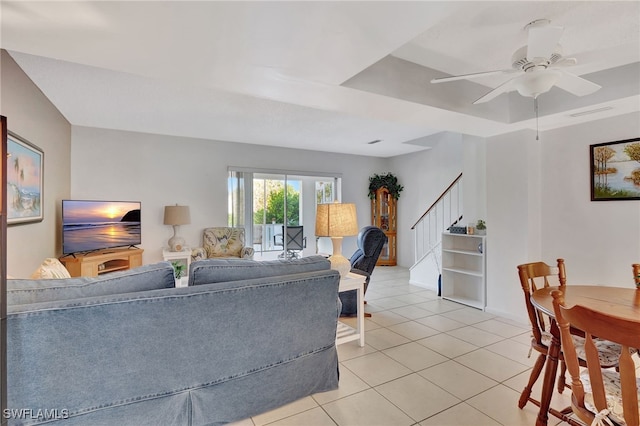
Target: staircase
443 213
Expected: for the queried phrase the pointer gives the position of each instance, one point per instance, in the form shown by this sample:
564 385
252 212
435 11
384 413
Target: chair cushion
223 242
148 277
613 393
608 352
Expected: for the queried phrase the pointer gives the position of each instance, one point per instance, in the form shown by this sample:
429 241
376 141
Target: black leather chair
371 240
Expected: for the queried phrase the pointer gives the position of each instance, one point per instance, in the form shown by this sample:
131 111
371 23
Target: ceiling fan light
536 82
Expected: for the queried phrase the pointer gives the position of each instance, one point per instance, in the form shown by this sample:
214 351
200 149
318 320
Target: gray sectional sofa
128 348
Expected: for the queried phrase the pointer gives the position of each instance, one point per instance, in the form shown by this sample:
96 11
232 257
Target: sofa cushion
148 277
209 271
49 269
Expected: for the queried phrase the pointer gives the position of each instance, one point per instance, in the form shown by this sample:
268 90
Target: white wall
599 240
539 208
474 179
513 211
162 170
30 115
424 175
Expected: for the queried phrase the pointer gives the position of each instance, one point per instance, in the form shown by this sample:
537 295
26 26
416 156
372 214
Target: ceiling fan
538 67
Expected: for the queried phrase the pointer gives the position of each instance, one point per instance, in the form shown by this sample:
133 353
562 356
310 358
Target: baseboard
506 315
423 285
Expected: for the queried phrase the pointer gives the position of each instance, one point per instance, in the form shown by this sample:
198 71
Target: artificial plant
388 181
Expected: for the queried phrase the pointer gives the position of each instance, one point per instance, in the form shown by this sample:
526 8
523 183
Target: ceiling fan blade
507 86
565 62
543 41
576 85
470 76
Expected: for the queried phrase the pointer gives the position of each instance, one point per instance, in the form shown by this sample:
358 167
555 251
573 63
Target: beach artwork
24 181
615 170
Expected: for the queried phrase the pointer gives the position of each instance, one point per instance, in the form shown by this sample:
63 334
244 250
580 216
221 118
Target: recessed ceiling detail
315 75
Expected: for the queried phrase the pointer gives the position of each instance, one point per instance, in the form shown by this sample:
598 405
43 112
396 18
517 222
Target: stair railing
446 211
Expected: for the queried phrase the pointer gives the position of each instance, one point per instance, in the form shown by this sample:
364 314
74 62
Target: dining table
623 302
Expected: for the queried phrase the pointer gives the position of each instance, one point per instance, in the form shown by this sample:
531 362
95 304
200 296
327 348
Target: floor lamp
337 220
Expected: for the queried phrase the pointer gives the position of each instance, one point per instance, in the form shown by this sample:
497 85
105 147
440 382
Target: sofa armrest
361 272
198 253
247 252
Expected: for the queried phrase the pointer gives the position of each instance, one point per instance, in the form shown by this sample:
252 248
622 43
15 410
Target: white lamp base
338 261
176 243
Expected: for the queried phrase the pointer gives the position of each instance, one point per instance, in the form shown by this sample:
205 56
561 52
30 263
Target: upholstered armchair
222 242
371 240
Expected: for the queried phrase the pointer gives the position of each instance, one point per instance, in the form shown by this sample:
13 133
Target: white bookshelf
464 269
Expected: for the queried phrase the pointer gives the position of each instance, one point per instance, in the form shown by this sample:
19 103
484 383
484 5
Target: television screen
89 225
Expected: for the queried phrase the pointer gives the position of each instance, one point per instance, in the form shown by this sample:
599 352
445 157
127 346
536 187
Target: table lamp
337 220
176 216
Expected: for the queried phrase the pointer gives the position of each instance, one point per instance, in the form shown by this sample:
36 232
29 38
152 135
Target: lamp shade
177 215
336 220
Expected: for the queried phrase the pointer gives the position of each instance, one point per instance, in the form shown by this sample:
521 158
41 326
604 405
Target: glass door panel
273 201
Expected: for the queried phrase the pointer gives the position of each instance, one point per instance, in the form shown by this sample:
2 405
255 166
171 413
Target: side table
346 333
183 257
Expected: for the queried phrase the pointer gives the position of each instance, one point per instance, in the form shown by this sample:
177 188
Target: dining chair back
636 274
533 276
599 392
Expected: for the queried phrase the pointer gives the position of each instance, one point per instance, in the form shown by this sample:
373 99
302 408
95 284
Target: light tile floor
426 361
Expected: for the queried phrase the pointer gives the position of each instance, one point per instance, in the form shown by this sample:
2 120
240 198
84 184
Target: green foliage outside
275 207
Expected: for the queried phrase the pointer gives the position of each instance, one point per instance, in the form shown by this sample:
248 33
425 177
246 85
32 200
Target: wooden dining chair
599 392
533 276
636 274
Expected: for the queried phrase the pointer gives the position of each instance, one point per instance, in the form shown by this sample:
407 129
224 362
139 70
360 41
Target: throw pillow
49 269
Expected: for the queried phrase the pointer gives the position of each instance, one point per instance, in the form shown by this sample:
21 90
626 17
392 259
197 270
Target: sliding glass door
273 201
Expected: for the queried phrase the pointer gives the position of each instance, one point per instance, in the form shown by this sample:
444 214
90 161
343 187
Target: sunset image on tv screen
95 225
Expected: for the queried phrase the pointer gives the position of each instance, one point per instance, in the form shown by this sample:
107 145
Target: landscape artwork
615 170
24 181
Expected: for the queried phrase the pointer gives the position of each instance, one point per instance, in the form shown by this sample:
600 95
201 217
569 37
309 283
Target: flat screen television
90 225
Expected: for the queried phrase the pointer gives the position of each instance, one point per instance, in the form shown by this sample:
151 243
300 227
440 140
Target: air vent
374 142
591 111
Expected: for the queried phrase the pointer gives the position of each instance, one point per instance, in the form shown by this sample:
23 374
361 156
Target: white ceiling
327 76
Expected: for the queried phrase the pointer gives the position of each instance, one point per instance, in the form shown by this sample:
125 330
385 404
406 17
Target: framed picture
615 170
25 175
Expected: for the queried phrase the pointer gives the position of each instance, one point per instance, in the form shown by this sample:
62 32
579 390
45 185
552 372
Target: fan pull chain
535 109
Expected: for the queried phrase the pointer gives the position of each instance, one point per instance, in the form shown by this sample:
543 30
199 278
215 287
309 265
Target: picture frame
25 181
615 170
